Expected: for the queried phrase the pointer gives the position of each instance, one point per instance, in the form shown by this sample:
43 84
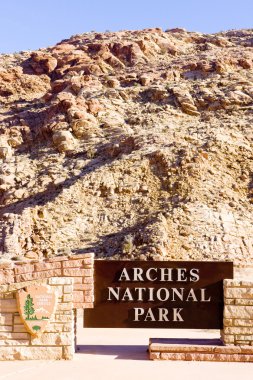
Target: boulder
85 126
5 149
43 63
64 141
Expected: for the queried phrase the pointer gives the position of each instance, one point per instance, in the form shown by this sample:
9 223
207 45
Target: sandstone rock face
133 145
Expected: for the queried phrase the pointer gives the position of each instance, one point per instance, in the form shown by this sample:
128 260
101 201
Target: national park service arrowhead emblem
36 305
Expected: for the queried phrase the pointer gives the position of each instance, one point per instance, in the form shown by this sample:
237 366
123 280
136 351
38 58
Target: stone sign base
39 305
57 342
198 350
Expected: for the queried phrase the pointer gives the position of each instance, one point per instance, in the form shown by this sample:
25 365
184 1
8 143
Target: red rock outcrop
135 144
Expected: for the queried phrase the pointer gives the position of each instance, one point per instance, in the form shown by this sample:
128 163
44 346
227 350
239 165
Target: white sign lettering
164 294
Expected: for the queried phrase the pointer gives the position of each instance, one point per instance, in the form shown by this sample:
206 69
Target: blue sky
31 24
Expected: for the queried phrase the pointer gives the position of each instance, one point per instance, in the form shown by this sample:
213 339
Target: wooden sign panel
158 294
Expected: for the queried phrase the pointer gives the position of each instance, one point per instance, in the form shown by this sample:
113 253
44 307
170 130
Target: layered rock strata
134 145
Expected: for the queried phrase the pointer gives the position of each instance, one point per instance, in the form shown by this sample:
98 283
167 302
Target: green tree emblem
36 328
29 307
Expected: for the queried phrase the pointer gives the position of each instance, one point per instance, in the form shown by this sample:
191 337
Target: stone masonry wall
238 312
57 342
72 278
80 267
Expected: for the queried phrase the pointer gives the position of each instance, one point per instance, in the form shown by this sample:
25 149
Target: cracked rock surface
132 145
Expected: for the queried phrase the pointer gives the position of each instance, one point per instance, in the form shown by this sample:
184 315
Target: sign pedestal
236 344
165 349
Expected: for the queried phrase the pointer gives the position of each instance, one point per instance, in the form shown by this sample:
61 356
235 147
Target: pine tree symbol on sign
36 305
29 307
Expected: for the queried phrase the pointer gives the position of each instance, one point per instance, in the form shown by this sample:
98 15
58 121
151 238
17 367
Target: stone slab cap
36 305
198 349
184 345
237 283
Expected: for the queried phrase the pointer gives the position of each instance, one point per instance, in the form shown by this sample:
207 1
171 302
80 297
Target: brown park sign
36 305
161 294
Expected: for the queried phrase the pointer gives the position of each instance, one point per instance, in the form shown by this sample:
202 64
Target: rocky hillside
132 145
